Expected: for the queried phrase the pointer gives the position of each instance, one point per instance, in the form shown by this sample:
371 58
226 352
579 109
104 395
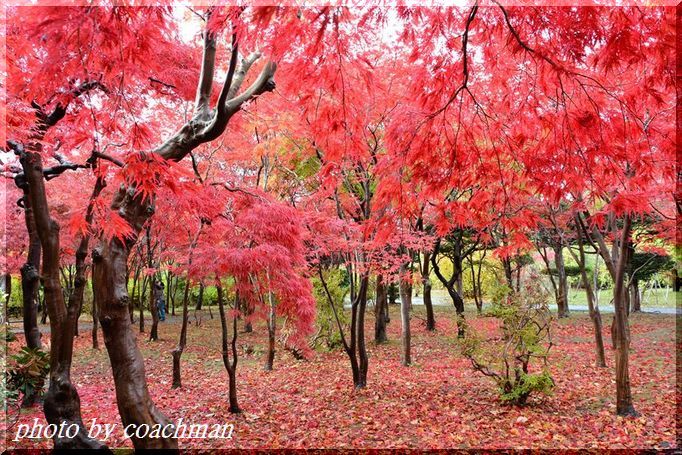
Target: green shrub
15 304
525 322
27 372
328 331
499 293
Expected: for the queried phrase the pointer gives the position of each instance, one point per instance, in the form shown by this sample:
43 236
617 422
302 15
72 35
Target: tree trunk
358 333
426 283
133 294
95 320
200 300
635 297
379 316
177 352
479 287
506 264
30 278
247 311
624 406
355 349
153 288
172 295
207 124
449 285
154 297
562 282
592 303
109 271
405 305
43 305
141 293
474 286
272 321
617 263
8 293
62 403
231 367
169 288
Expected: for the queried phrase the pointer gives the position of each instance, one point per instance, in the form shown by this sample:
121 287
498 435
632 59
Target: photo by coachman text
179 430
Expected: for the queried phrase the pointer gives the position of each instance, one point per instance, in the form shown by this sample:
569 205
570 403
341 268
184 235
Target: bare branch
222 99
264 83
244 68
202 108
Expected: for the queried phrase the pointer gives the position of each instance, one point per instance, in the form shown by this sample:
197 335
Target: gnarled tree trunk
30 278
62 403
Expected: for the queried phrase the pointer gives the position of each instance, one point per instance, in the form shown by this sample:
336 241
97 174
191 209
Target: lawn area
439 402
652 298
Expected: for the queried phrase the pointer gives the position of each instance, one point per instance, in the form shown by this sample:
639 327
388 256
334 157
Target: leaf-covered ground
439 402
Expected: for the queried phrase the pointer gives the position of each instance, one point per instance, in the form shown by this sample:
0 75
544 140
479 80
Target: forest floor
438 402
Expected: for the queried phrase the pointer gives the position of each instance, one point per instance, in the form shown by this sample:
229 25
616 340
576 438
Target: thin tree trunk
142 292
506 264
133 295
95 322
231 367
177 352
154 291
272 321
358 330
8 292
479 287
350 348
379 311
592 304
42 304
405 304
624 404
474 286
248 312
449 285
562 282
172 295
169 288
426 282
635 298
154 295
200 300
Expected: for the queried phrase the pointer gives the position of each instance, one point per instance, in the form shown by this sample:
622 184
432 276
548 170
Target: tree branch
241 74
202 108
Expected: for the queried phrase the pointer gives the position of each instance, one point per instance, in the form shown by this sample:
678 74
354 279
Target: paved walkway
440 301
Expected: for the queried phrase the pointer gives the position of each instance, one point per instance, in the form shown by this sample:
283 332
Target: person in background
160 301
